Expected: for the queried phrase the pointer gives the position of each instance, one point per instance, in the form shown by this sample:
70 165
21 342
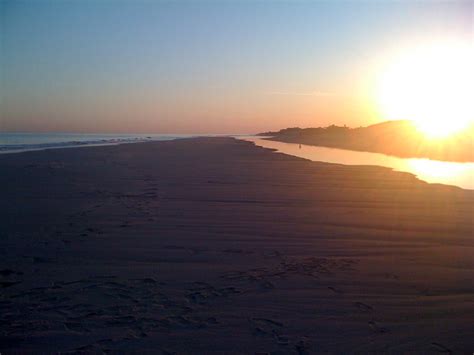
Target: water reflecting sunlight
431 171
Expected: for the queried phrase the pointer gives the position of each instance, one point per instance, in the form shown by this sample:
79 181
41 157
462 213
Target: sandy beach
216 246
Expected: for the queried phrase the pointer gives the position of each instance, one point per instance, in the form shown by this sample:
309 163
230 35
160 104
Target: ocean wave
19 147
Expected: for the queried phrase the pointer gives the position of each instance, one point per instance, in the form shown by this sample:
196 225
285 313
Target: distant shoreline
12 143
394 138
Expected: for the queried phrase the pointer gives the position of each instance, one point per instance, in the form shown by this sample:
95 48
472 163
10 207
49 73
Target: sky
204 66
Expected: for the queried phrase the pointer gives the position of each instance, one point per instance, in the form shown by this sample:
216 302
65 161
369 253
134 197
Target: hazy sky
222 66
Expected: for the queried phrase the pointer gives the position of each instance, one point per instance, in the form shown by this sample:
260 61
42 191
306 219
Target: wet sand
213 245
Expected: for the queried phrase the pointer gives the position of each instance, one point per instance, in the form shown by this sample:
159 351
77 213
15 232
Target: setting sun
430 85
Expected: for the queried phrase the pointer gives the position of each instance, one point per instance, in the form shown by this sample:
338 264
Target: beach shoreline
430 171
215 245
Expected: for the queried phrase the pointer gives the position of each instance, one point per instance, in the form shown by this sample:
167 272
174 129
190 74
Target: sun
431 85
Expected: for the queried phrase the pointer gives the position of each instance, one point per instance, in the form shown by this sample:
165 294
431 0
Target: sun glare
431 85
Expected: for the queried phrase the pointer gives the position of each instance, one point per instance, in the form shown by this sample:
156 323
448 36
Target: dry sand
213 245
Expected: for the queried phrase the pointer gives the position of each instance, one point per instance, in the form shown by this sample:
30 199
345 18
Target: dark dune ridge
214 245
397 138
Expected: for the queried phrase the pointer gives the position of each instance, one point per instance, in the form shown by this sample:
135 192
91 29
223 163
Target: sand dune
213 245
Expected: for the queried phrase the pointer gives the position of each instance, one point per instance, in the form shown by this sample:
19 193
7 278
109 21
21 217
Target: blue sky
227 66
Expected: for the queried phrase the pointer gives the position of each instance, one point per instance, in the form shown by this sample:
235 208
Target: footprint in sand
259 277
441 348
363 307
147 280
336 290
265 327
377 328
202 292
184 322
303 347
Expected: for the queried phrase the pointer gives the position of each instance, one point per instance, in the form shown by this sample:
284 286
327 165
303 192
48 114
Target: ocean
20 142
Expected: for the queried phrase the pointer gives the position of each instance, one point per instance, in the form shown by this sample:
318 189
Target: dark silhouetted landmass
398 138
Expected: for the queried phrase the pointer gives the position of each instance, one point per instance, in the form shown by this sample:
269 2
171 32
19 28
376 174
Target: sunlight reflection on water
432 171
